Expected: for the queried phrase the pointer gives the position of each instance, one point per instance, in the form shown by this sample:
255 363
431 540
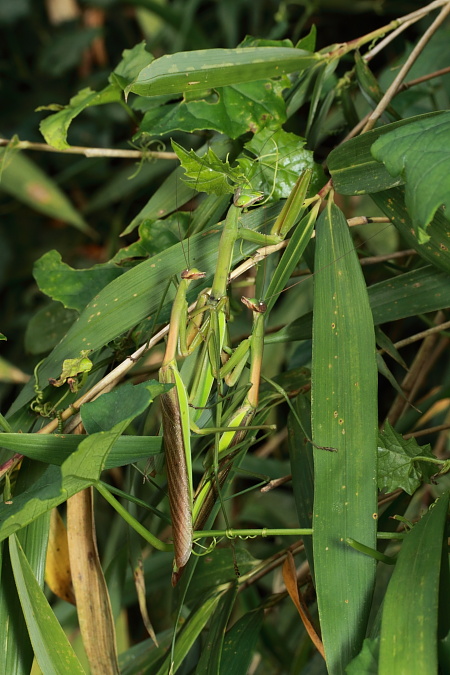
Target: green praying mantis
207 327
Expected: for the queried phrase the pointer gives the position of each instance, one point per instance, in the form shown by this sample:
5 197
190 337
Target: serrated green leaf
25 181
279 158
73 288
55 127
52 649
208 173
206 69
233 110
418 154
396 465
353 168
410 611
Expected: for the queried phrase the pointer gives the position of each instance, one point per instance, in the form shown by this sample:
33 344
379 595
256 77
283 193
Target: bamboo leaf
24 180
53 652
410 610
55 448
191 630
344 417
206 69
416 292
240 642
211 656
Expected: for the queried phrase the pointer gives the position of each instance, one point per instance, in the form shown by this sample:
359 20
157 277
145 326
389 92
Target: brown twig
89 152
394 87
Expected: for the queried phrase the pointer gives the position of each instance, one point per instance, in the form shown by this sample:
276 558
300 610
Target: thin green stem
132 522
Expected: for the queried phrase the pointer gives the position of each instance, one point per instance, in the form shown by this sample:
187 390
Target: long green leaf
194 625
53 651
205 69
353 168
410 610
416 292
24 180
344 417
55 448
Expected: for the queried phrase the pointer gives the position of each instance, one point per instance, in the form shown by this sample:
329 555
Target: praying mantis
208 326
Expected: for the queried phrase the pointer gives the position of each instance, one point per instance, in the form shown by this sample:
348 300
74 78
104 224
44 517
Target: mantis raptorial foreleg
214 478
177 419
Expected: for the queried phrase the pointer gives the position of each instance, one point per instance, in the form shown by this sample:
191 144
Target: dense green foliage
166 125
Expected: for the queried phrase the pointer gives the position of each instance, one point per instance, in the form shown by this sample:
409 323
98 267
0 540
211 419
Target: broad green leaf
192 628
207 69
417 154
72 287
55 127
410 610
240 642
396 465
353 168
52 649
133 61
279 159
432 245
47 327
55 448
25 181
123 403
260 104
416 292
344 417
